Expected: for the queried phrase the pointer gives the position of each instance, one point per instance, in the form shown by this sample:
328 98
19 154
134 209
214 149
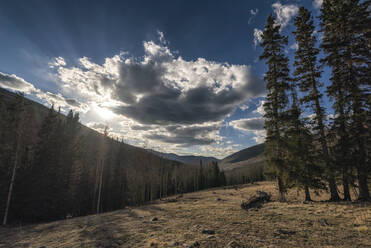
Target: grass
291 224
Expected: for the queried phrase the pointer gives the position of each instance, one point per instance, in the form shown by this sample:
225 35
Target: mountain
250 155
186 159
244 166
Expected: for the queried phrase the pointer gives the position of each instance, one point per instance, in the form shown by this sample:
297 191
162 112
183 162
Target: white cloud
284 13
15 83
161 38
257 36
260 109
254 12
317 4
244 107
58 61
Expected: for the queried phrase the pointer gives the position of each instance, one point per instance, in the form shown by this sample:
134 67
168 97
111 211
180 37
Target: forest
58 168
306 147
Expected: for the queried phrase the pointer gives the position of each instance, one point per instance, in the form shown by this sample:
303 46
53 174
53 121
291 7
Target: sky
174 76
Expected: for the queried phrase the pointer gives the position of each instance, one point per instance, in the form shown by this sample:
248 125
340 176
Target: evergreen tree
307 74
344 24
277 83
358 58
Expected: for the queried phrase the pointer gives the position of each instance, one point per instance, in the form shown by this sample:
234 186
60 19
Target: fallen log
256 201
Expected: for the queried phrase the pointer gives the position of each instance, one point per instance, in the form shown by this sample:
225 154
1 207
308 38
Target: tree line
314 152
53 167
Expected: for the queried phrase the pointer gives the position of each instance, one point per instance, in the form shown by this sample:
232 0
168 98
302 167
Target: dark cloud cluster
187 135
249 124
163 90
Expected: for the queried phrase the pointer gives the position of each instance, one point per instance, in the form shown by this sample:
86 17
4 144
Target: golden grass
291 224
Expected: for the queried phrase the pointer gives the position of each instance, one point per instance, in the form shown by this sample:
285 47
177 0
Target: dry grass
291 224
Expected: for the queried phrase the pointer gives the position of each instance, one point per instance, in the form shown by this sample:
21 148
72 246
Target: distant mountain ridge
186 159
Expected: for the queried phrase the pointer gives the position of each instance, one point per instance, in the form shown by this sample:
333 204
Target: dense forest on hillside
57 167
304 148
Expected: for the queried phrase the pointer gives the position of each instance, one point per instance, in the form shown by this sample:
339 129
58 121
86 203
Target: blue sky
176 76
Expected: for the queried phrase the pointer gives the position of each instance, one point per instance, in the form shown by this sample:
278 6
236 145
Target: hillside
181 221
244 166
235 159
70 169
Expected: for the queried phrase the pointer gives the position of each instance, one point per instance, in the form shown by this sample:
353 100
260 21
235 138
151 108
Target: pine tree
344 24
358 58
277 83
307 74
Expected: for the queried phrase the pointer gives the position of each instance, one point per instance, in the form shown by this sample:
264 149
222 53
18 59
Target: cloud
181 135
248 124
260 109
253 14
317 4
253 125
169 99
257 36
58 61
284 13
15 83
244 107
161 37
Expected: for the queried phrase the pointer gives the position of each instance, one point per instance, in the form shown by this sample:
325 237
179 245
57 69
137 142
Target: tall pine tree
344 25
307 74
277 83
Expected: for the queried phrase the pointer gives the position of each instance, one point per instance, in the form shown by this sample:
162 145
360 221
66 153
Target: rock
287 232
218 199
233 244
256 201
206 231
176 243
154 219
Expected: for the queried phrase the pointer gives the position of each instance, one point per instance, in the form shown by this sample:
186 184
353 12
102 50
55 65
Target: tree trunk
346 188
11 186
364 194
331 179
100 188
281 190
307 194
333 189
